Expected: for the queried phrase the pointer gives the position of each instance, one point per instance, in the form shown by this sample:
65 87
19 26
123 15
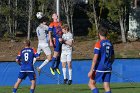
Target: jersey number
26 56
107 51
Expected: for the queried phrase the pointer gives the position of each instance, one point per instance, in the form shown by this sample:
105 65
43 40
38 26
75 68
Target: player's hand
90 73
51 43
60 40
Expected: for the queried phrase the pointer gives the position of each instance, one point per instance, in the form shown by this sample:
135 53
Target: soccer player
55 33
25 60
43 42
102 63
66 54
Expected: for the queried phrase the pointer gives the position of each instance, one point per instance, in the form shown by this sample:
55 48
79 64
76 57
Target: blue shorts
57 46
23 75
102 76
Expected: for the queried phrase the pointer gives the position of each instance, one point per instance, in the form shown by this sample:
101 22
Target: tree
117 12
94 11
68 8
135 3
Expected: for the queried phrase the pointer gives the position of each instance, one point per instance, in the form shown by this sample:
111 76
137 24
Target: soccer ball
39 15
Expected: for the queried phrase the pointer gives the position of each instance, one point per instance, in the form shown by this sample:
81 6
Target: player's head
54 16
102 32
27 43
65 28
43 20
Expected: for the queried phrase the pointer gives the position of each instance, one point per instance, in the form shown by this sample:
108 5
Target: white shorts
66 56
43 47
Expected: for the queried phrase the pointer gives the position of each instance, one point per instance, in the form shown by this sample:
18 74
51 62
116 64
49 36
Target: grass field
116 88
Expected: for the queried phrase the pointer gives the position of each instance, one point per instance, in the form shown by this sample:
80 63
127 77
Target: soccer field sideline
75 88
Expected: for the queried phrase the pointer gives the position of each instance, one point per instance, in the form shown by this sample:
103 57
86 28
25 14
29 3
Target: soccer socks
64 73
53 62
44 63
70 74
57 61
14 90
31 90
108 92
95 90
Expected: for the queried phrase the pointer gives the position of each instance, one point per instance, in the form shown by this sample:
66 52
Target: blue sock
53 62
108 92
14 90
31 90
57 62
95 90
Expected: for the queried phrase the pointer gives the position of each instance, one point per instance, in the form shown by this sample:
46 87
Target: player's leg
56 57
92 86
70 72
69 59
57 64
17 85
63 60
32 77
38 51
33 84
47 52
107 87
106 80
21 76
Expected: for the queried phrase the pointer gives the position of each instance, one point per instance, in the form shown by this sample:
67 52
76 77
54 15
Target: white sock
64 73
34 60
70 74
44 63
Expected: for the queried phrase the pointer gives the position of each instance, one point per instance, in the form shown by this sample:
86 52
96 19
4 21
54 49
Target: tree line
19 16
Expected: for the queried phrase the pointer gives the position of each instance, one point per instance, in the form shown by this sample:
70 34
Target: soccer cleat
65 81
52 71
69 82
58 71
38 70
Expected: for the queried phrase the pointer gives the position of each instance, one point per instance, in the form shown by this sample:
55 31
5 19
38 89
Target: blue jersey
25 57
55 28
105 51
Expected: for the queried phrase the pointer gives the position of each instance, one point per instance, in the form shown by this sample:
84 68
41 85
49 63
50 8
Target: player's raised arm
50 34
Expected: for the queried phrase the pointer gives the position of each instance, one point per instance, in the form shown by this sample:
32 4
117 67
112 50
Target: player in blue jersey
55 34
25 60
102 63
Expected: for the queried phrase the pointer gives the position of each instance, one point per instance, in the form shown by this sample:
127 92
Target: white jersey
67 37
42 33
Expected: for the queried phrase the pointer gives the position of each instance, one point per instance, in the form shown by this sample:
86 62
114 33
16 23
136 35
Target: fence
124 70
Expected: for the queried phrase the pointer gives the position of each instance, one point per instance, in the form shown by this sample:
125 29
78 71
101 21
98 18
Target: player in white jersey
43 42
66 54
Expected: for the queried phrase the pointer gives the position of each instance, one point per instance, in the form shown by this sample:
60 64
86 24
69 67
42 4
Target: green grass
116 88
